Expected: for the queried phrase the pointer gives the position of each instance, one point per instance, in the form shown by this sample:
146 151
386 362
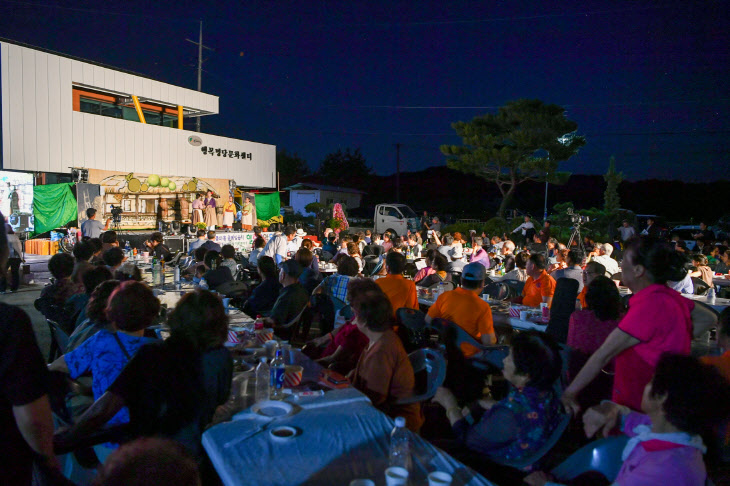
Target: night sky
645 81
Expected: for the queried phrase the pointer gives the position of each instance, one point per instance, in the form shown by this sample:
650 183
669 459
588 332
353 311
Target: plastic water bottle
203 284
176 275
711 296
262 381
156 270
400 445
442 289
128 250
277 376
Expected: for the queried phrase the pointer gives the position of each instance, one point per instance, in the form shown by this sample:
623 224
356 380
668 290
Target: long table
340 437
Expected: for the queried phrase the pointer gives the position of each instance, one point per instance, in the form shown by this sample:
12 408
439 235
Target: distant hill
446 191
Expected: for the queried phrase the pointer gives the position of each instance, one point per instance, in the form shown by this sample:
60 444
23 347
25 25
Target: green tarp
53 206
267 207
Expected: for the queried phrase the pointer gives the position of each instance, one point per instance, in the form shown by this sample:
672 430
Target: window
104 104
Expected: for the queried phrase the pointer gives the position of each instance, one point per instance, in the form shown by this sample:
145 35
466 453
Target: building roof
321 187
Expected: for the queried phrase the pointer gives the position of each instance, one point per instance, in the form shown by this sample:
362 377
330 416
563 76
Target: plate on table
272 408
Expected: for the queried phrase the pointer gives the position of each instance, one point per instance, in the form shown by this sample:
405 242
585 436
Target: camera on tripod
577 219
116 214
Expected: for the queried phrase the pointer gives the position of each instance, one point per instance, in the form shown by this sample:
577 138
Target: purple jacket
674 459
481 256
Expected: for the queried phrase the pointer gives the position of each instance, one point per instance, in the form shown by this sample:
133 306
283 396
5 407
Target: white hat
457 253
301 232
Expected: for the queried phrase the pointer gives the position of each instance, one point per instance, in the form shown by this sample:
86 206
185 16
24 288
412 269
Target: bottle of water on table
263 379
400 445
277 376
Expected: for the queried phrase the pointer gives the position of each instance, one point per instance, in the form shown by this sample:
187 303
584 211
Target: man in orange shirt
464 307
540 287
400 291
592 270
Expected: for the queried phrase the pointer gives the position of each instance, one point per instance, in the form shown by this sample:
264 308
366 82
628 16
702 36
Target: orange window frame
78 93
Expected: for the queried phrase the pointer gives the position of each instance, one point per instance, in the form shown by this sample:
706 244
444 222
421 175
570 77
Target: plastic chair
435 366
563 305
528 461
232 289
453 336
603 455
515 285
456 278
413 325
59 340
290 329
700 286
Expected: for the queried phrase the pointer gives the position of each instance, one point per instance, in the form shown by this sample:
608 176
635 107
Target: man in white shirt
276 248
91 228
604 258
627 231
525 229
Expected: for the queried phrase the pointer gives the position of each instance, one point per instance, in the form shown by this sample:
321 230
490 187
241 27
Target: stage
242 241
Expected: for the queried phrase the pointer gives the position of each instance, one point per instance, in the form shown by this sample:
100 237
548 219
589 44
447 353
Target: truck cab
396 219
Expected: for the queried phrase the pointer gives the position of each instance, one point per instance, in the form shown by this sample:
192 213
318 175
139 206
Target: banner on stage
242 241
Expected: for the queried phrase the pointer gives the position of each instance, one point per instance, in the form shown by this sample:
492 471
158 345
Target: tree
347 168
611 201
291 168
525 140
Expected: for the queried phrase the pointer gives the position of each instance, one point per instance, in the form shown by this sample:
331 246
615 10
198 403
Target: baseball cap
474 271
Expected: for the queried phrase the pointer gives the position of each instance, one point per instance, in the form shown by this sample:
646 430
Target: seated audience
74 310
604 258
427 270
177 397
82 251
465 308
560 262
520 424
400 291
197 243
479 254
588 329
265 294
572 269
354 251
54 296
383 373
109 241
128 271
683 401
96 248
309 245
456 260
723 260
258 247
387 244
292 299
539 287
659 320
96 319
218 274
309 278
229 260
590 272
515 267
702 269
336 284
439 266
211 244
132 308
157 248
341 348
113 258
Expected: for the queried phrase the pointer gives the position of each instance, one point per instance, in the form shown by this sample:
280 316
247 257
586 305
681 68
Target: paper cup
263 335
396 476
271 346
292 376
439 478
523 315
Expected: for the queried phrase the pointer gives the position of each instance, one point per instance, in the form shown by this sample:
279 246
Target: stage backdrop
148 198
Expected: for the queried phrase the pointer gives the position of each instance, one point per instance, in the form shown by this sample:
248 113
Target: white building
304 193
60 112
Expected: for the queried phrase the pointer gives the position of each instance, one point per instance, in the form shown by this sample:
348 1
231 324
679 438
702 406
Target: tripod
116 223
576 233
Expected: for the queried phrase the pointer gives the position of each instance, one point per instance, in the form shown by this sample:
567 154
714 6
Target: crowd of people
629 368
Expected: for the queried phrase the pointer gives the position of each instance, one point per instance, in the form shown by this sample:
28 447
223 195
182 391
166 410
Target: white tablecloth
340 437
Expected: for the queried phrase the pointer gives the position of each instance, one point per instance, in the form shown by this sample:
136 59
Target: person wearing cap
540 287
457 263
400 291
276 248
296 242
292 299
464 307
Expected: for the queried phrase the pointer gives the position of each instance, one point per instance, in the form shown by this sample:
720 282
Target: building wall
299 198
41 132
350 200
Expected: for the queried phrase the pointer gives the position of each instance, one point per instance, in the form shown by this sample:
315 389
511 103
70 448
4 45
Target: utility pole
200 66
397 172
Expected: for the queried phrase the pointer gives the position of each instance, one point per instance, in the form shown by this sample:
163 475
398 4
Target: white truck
396 219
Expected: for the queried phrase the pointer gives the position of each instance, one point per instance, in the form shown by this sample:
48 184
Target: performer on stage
210 218
247 212
229 211
198 208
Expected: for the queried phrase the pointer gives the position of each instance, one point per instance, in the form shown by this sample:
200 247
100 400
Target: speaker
237 226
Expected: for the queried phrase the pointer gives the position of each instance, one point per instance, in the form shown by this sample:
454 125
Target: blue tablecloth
344 439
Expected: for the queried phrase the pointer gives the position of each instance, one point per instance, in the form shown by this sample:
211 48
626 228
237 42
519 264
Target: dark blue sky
645 81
